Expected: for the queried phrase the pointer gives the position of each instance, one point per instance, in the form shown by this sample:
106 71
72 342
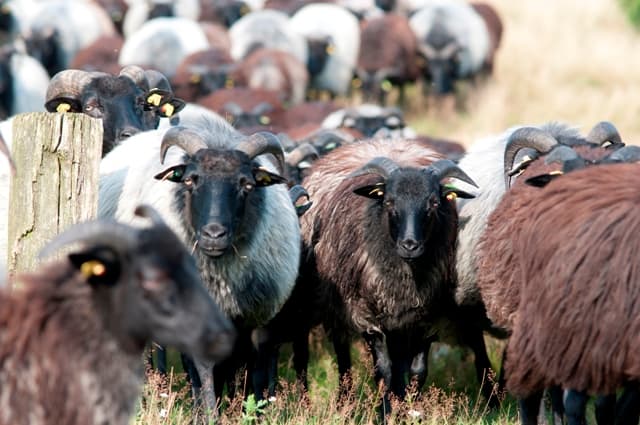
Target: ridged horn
302 151
103 232
625 154
137 75
261 143
560 154
186 139
525 137
446 168
380 165
157 80
604 132
70 83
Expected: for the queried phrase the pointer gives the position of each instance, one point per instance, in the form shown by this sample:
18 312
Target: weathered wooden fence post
57 157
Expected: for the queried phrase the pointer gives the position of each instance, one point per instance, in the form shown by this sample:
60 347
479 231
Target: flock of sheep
240 207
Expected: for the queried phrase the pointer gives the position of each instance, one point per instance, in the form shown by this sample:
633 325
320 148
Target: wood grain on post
57 159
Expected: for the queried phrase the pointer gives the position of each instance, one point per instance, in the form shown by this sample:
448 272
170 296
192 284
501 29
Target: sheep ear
156 97
374 191
63 104
543 179
173 174
171 107
452 193
264 177
98 267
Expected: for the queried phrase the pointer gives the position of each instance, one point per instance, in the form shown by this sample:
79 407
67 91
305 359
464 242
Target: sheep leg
473 337
192 374
575 403
301 358
400 363
605 407
382 367
528 408
207 393
557 405
419 364
343 357
628 406
263 352
273 372
161 356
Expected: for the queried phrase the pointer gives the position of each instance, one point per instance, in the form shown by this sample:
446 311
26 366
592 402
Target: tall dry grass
576 61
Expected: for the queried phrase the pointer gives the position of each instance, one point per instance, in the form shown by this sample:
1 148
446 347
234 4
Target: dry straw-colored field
576 61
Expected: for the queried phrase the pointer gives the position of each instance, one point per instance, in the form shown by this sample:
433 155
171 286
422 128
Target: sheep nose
410 244
214 231
127 132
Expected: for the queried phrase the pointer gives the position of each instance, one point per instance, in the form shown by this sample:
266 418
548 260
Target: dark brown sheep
203 72
388 57
494 27
448 148
578 318
309 112
101 55
73 332
275 70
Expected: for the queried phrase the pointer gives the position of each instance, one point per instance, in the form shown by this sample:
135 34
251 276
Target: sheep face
441 52
409 204
216 187
44 45
370 125
320 48
258 116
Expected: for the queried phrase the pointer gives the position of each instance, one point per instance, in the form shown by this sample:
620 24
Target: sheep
275 70
388 57
23 83
202 73
394 277
223 199
128 103
110 296
223 12
371 120
247 109
101 55
141 11
116 9
576 317
333 34
494 26
217 36
54 42
162 43
266 28
454 41
450 149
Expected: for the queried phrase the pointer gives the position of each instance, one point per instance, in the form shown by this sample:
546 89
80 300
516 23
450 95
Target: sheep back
579 316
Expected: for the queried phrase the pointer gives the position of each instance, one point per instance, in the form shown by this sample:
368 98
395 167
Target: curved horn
604 132
70 83
302 151
525 137
186 139
110 233
157 80
379 165
136 74
626 154
446 168
263 142
560 154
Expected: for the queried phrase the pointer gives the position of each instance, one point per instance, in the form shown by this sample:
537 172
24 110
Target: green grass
632 9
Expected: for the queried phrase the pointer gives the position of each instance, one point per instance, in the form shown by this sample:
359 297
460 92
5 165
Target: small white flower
414 413
164 395
163 413
272 399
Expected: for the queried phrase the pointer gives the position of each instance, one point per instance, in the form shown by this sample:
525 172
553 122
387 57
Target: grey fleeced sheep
73 332
23 83
219 193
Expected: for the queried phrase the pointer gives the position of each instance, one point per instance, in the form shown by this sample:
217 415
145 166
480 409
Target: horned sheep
220 194
110 296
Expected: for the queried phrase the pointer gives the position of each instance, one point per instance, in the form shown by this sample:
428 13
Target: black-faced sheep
394 277
577 320
101 55
142 11
223 12
203 72
54 42
220 194
371 120
274 70
333 36
116 10
121 289
454 41
131 102
388 57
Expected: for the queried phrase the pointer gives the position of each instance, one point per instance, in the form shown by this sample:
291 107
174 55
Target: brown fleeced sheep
73 332
203 72
388 57
101 55
578 318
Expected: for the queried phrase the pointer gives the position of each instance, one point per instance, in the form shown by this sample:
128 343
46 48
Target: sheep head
129 103
221 190
441 52
411 202
371 120
147 286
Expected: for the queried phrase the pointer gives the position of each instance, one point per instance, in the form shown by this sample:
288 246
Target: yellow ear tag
451 196
228 83
92 268
167 109
265 120
356 83
331 49
154 99
556 173
195 78
263 176
386 85
63 107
